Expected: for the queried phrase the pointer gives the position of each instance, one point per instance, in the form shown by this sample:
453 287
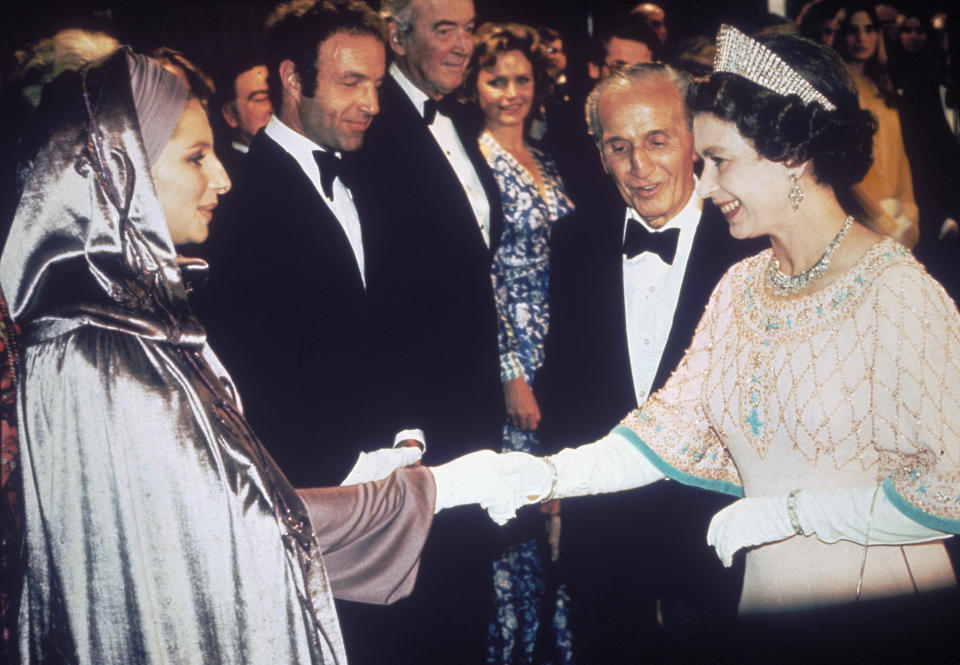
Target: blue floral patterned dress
524 599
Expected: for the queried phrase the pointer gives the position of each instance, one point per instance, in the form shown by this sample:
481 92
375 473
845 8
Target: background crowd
410 289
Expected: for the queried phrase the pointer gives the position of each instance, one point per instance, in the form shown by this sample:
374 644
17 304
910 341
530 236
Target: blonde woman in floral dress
509 77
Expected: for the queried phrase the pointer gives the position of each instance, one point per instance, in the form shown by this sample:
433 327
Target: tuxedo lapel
469 132
399 122
281 179
585 384
608 291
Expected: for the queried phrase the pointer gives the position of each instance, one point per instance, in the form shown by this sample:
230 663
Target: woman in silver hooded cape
157 528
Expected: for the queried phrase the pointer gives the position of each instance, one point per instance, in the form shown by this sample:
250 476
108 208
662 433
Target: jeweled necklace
786 285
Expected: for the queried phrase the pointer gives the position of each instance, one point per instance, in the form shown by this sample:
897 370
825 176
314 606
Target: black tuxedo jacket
585 386
286 311
429 275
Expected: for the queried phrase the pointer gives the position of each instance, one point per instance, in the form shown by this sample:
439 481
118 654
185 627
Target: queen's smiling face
751 192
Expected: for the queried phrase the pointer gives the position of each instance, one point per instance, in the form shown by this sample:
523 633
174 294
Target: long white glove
611 464
749 522
381 463
501 484
842 514
504 483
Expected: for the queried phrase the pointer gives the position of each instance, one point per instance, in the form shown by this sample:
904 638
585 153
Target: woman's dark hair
495 39
838 143
876 66
814 16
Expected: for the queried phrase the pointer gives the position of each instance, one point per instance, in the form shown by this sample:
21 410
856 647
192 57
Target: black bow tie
430 109
330 166
638 240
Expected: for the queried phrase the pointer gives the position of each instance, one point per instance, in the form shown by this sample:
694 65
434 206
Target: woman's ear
800 170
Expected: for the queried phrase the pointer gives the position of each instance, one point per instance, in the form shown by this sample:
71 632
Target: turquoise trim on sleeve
917 515
722 486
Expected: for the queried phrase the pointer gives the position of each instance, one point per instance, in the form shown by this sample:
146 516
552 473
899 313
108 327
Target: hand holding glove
381 463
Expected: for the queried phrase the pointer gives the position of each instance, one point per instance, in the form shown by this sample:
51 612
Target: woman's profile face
751 192
861 37
188 177
505 91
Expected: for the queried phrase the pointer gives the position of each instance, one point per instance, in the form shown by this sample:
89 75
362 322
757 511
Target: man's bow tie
431 107
330 166
638 240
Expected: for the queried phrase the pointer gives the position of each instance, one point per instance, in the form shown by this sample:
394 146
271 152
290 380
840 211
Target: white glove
501 484
845 514
747 523
849 513
381 463
611 464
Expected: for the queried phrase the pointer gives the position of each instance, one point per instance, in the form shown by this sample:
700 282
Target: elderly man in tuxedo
630 278
432 209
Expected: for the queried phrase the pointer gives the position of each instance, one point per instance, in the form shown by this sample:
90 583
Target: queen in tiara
822 387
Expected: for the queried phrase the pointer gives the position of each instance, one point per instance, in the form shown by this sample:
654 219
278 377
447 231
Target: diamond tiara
741 55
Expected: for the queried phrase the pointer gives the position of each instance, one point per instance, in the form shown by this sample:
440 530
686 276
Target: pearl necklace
785 285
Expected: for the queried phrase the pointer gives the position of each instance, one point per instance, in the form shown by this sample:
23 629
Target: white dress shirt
301 149
651 289
449 141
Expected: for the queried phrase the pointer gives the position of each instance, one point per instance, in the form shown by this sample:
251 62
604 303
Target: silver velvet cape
158 530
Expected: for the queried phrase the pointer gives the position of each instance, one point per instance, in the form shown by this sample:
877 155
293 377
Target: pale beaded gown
857 384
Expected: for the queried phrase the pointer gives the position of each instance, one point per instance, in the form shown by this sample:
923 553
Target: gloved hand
500 483
862 515
611 464
747 523
381 463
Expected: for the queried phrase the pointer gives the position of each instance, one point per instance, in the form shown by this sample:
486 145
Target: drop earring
796 194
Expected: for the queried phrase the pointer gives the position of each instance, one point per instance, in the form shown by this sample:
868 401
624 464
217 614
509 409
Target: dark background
208 30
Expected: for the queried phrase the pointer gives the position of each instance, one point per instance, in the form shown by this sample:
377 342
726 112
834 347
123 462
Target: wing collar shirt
449 141
301 149
651 289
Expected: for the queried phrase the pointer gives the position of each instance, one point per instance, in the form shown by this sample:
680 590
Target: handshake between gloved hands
502 483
